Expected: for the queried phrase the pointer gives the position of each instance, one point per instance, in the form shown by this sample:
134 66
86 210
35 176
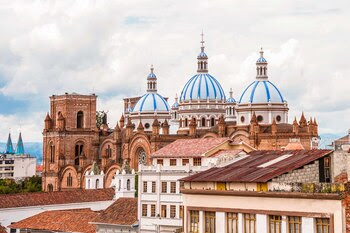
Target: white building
160 207
15 164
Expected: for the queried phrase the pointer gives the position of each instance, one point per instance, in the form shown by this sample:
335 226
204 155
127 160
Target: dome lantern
261 67
202 59
152 82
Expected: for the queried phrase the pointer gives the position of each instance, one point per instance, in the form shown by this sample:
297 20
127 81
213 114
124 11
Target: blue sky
107 47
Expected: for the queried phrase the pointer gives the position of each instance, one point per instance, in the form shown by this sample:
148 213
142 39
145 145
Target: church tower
70 140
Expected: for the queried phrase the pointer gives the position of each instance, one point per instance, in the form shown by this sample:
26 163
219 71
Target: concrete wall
307 174
114 229
24 167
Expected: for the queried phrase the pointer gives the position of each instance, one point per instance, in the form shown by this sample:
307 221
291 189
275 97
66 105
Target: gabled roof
260 166
60 220
188 148
54 198
122 212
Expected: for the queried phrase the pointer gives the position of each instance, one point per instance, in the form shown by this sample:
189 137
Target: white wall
24 167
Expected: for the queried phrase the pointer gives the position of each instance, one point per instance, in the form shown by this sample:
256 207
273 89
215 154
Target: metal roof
260 166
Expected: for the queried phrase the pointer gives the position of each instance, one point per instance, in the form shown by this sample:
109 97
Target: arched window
212 122
88 184
69 180
142 156
97 184
175 115
203 122
261 71
128 185
52 152
80 120
264 70
109 151
120 185
230 111
50 187
186 122
79 149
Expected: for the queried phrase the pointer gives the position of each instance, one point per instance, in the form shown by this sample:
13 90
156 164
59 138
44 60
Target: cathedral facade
74 139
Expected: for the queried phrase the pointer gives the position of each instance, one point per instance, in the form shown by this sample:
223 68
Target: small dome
261 92
202 55
175 105
261 60
151 102
230 100
151 75
202 86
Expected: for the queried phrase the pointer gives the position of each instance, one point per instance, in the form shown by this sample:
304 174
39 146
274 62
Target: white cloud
107 47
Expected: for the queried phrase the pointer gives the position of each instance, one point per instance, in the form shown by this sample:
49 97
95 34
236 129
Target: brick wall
308 174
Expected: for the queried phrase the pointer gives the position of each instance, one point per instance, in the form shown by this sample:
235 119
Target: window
322 225
231 223
203 122
97 185
185 162
172 162
242 119
153 210
144 210
209 226
147 125
172 211
69 180
197 161
275 224
109 151
249 223
128 185
80 120
186 122
52 152
153 186
182 184
181 212
212 122
325 169
294 224
160 161
50 187
164 187
260 118
145 186
278 118
172 187
79 150
163 212
194 221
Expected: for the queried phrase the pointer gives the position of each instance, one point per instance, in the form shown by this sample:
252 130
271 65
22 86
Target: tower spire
202 58
9 146
20 146
261 66
152 81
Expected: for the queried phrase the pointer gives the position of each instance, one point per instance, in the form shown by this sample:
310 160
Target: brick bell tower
70 140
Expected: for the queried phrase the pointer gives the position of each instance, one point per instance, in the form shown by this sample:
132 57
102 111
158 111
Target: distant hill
327 139
33 148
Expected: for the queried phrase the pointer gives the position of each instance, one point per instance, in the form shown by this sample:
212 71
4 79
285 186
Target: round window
260 118
242 119
278 118
147 125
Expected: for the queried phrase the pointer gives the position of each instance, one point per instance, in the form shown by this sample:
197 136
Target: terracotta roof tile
256 167
294 146
121 212
188 147
60 220
52 198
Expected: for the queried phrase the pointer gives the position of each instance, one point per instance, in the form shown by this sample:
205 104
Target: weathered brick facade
72 141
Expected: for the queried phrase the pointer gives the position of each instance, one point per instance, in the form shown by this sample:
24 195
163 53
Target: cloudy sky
107 47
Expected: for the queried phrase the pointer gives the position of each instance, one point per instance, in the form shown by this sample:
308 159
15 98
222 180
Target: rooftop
122 212
188 147
260 166
54 198
60 220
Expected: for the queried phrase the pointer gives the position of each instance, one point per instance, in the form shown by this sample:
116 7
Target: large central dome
261 92
202 87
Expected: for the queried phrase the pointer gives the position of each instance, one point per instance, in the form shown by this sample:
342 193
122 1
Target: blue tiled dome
230 100
203 87
202 55
175 105
151 102
261 60
261 92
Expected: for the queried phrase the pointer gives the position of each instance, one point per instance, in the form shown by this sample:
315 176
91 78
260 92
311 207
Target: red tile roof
39 168
60 220
255 168
187 148
122 212
294 146
52 198
226 152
